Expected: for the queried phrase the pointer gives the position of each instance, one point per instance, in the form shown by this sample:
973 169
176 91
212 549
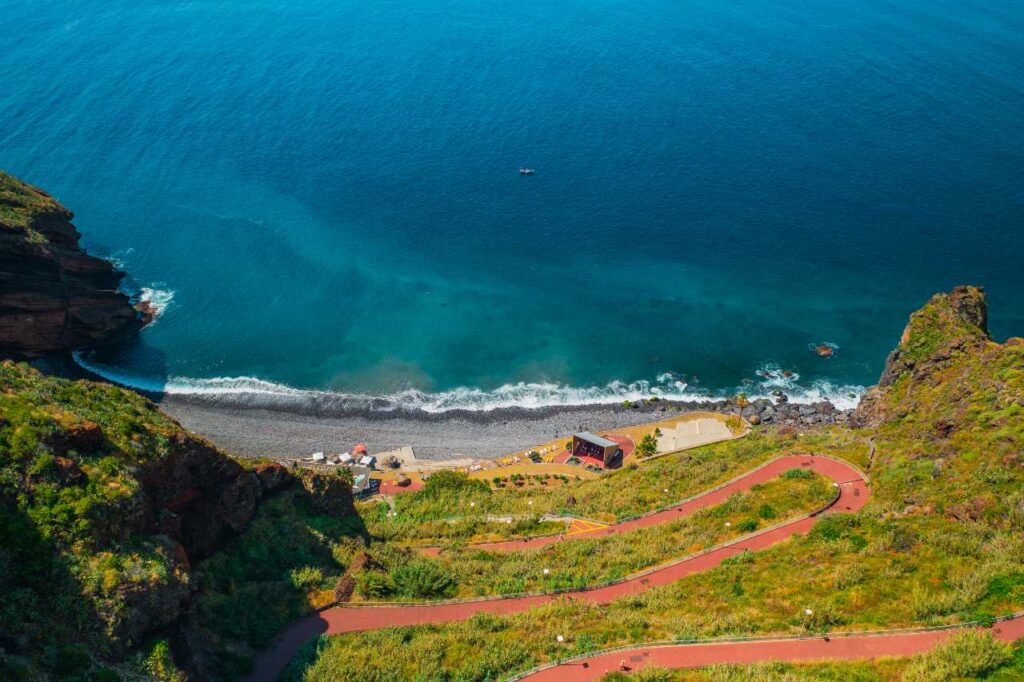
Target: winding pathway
852 495
851 647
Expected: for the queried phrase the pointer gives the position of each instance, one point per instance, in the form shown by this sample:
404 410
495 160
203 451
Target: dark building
586 445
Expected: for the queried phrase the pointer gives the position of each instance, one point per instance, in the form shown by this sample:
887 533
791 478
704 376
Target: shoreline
282 433
264 432
252 426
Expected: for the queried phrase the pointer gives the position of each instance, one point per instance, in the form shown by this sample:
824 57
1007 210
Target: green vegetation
966 657
941 540
86 577
583 562
20 204
647 446
72 563
455 508
287 563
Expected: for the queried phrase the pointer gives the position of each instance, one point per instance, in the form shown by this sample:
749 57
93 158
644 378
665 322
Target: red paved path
339 619
833 469
701 655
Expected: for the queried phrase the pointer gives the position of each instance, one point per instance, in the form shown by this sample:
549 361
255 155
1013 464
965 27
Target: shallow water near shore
325 201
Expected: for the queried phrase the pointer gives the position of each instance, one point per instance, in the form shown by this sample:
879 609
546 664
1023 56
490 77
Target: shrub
766 511
834 527
374 584
306 577
848 576
747 526
797 473
158 664
967 654
648 446
423 579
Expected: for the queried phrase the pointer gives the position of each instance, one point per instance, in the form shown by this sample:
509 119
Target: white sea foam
158 299
253 391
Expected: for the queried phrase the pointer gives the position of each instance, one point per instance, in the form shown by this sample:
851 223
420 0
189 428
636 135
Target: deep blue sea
325 195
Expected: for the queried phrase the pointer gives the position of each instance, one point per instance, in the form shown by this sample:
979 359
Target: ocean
324 198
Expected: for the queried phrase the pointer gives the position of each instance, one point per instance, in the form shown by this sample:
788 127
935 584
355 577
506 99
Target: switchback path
838 471
852 494
851 647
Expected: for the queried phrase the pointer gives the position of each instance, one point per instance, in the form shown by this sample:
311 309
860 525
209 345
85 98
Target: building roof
361 481
595 439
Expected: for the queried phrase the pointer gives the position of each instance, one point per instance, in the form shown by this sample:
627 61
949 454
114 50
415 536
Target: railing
770 638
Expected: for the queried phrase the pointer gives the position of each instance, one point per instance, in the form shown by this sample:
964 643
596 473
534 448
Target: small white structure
345 458
691 433
318 457
368 461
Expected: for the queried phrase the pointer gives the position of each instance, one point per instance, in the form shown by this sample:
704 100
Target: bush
849 576
423 579
967 654
834 527
797 473
648 446
766 511
306 578
374 584
747 526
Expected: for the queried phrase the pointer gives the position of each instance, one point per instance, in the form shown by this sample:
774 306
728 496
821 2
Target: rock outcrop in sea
53 295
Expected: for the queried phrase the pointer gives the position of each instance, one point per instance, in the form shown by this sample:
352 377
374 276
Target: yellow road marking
579 526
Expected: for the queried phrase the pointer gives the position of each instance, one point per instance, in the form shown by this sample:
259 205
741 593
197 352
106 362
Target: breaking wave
258 393
158 300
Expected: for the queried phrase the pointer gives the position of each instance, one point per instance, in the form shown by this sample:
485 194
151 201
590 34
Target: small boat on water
523 170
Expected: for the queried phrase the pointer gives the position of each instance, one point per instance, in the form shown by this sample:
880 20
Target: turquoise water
327 196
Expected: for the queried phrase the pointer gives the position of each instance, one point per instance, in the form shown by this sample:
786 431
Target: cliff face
106 505
949 327
54 296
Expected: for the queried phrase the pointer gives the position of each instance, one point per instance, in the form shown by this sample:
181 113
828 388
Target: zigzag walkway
852 494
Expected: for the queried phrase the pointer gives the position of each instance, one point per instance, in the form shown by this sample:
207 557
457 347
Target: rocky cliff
950 326
106 506
53 295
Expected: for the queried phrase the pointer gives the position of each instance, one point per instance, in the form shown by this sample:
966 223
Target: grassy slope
69 575
940 541
20 203
461 513
287 562
967 657
67 572
591 561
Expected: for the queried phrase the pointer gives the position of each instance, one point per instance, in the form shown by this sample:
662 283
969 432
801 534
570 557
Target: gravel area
278 433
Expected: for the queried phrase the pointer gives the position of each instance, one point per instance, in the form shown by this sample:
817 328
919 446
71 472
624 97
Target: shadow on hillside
47 623
134 364
261 582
